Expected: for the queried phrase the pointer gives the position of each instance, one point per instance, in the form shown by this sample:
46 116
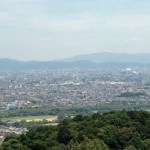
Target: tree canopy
115 130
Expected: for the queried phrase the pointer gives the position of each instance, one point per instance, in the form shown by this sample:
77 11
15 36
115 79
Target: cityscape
65 88
68 88
74 75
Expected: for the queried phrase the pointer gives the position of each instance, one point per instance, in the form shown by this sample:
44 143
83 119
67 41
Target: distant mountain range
99 60
113 57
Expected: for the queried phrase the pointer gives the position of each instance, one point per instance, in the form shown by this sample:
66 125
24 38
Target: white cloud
135 39
63 25
5 16
63 28
129 22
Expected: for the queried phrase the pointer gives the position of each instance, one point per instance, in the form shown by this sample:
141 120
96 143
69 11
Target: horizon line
65 58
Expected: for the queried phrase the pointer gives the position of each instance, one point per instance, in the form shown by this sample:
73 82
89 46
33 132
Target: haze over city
49 30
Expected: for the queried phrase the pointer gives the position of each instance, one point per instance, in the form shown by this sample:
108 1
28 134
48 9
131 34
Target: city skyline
50 30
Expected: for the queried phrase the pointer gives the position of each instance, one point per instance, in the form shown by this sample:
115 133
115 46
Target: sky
57 29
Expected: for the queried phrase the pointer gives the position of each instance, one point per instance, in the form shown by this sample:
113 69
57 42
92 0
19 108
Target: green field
31 118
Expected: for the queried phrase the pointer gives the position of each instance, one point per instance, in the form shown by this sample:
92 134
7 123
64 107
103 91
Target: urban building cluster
34 88
6 131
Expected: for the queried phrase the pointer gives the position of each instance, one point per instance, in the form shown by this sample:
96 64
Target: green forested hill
120 130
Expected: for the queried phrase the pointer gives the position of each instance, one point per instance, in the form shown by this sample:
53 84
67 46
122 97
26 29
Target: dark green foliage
64 135
78 118
130 148
88 144
147 143
130 94
13 144
116 130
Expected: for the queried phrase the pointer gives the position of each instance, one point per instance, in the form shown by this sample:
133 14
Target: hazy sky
53 29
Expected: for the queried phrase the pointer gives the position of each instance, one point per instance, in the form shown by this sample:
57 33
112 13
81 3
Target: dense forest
115 130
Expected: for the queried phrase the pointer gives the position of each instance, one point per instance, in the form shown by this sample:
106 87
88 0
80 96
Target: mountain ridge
113 57
96 60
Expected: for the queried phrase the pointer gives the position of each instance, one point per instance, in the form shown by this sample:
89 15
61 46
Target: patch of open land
32 118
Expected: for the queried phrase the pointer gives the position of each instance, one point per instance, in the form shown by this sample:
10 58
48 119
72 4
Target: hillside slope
121 130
